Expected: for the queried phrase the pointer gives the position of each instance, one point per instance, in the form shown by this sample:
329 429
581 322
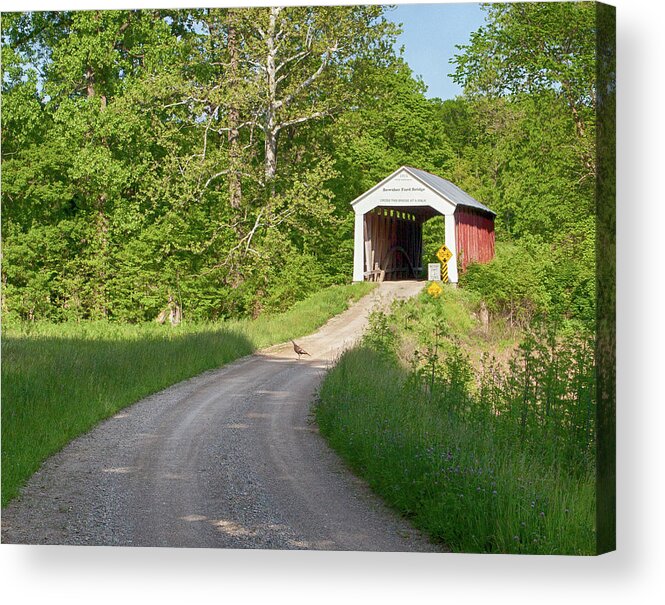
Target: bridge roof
445 189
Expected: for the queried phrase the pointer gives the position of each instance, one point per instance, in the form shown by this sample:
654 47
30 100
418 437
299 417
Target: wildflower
542 514
494 492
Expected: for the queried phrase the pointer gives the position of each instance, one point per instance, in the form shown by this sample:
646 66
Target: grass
457 311
59 380
477 460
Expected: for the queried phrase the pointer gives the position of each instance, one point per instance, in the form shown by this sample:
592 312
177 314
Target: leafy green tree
528 148
92 155
531 47
397 126
148 142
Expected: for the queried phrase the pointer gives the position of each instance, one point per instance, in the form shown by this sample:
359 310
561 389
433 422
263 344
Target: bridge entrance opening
393 242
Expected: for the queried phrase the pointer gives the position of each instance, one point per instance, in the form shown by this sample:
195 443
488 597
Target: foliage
534 47
399 127
434 236
526 147
531 278
158 153
380 336
210 154
514 284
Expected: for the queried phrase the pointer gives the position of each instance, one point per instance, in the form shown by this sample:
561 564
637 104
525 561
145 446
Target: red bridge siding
474 233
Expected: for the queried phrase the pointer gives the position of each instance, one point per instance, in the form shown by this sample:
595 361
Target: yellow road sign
434 289
444 254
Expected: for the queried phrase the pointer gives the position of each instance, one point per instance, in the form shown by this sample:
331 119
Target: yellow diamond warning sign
444 254
434 290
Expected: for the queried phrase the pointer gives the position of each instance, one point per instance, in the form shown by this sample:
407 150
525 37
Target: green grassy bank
493 456
59 380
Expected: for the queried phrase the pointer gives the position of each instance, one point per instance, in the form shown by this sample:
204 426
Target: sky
430 33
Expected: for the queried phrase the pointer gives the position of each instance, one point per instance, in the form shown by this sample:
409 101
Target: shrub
514 284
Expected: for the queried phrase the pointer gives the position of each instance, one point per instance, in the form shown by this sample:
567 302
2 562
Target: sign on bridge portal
433 272
444 254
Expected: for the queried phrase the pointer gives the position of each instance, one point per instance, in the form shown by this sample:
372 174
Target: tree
532 47
529 148
302 57
396 125
89 156
173 153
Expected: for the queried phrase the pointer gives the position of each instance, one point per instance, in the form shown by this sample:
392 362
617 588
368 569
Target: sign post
444 255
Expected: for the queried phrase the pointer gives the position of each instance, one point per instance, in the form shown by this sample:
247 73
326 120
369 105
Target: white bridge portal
389 219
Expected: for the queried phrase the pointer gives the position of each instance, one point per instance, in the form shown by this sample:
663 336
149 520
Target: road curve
228 459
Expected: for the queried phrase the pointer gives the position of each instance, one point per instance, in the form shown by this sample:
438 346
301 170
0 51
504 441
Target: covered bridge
388 242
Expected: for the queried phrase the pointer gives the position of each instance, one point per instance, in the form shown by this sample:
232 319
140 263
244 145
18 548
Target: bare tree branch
239 126
306 83
302 54
316 114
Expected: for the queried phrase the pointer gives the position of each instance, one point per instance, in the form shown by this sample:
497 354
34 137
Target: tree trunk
271 155
235 191
102 219
270 128
90 82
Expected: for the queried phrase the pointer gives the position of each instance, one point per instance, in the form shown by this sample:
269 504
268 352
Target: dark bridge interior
393 240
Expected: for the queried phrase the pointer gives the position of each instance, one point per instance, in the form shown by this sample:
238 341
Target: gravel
228 459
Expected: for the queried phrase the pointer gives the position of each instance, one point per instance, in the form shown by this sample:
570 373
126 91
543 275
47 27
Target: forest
209 156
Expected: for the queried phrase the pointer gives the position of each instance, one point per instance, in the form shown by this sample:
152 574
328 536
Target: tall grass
59 380
498 461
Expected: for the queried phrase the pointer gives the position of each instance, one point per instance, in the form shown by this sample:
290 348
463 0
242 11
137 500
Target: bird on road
298 349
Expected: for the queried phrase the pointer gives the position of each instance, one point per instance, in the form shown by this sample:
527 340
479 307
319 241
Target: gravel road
228 459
